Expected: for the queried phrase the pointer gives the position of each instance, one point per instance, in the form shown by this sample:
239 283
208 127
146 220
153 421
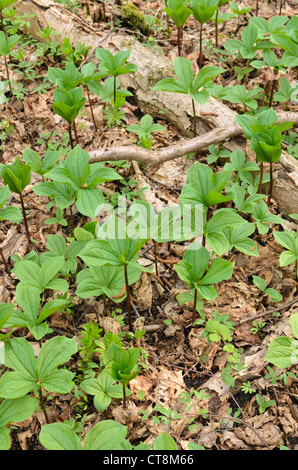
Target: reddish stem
194 306
25 219
128 298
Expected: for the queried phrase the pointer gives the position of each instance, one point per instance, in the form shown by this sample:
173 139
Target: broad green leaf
105 436
164 442
53 353
59 436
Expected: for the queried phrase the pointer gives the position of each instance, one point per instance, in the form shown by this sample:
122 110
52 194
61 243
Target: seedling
243 203
246 387
171 223
249 44
115 248
288 240
204 187
265 139
203 11
288 42
239 94
90 334
104 390
219 19
72 77
33 316
17 176
144 129
240 167
82 178
257 326
286 91
179 12
239 238
263 404
41 165
234 7
262 217
107 280
56 245
284 376
216 152
219 328
283 351
11 213
186 83
3 5
33 375
273 26
114 65
33 276
6 45
273 294
214 230
14 411
193 269
122 366
68 104
269 60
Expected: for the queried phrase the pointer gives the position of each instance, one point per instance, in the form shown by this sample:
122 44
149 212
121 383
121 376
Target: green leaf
282 352
164 442
294 324
219 270
104 389
53 353
59 436
105 435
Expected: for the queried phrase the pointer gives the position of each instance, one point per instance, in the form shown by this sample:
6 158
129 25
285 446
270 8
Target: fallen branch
155 157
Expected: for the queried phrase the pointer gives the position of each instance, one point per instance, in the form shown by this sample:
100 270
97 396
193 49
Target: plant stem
257 7
128 298
91 108
41 401
4 261
204 240
124 396
168 26
271 94
75 131
104 11
71 217
261 178
201 47
179 36
7 73
216 28
155 258
25 219
194 118
115 90
281 2
194 306
271 184
70 135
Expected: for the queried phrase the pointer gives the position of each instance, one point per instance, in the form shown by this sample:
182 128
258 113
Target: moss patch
135 18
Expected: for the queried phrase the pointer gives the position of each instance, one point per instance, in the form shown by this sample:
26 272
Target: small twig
267 312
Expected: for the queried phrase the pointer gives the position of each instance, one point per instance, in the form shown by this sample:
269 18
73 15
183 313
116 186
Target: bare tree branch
154 157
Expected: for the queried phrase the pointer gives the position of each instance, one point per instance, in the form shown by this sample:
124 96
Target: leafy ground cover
123 324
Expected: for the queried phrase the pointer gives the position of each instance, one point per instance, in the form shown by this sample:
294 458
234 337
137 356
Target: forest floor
176 359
